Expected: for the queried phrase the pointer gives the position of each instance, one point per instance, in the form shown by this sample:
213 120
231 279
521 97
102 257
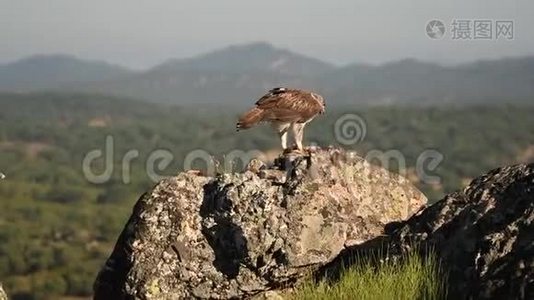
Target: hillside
412 81
249 57
239 74
55 71
232 75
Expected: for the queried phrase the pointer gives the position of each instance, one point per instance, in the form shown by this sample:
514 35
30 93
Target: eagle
285 109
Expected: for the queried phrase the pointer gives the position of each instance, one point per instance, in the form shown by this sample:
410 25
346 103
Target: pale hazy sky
143 33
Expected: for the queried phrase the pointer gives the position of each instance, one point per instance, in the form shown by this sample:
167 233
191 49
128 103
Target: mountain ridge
44 71
240 73
259 55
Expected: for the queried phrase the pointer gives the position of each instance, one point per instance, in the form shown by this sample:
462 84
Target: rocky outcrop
484 235
3 295
237 235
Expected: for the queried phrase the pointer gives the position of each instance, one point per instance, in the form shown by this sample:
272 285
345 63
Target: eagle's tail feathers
250 118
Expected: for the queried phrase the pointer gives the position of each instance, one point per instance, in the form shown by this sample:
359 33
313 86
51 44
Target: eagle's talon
299 151
287 151
294 150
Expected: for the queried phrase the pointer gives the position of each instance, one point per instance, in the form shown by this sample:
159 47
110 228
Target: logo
350 129
435 29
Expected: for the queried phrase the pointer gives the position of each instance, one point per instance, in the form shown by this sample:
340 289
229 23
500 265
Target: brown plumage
284 109
250 118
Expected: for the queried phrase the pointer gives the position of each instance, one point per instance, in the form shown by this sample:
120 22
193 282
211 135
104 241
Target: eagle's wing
289 105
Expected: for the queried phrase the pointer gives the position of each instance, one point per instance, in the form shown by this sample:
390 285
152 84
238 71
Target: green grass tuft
410 277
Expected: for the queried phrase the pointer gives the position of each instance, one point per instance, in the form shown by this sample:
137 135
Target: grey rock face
483 234
237 235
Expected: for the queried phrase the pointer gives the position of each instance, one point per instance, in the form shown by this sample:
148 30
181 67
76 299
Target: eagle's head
320 99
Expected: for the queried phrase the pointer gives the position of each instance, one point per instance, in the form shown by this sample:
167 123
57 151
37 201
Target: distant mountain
234 74
54 71
412 81
247 58
239 74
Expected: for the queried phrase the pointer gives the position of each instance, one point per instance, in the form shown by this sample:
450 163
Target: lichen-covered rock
3 295
484 235
236 235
